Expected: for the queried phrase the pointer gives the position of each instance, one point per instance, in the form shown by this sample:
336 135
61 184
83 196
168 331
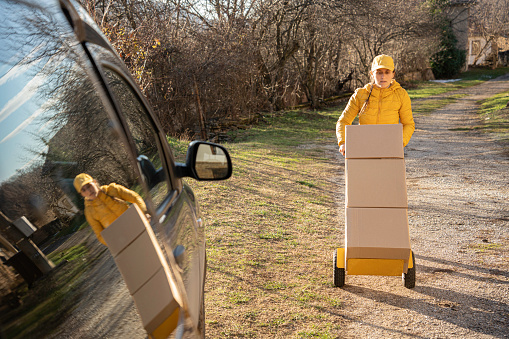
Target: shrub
449 60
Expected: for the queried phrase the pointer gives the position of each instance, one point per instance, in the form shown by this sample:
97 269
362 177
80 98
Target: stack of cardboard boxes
141 262
376 201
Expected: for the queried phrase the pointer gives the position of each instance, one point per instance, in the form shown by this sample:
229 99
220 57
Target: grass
480 74
70 254
305 183
475 76
427 89
495 114
264 222
487 247
51 299
428 106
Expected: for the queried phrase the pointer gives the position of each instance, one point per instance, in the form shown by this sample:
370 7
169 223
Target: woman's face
383 77
90 191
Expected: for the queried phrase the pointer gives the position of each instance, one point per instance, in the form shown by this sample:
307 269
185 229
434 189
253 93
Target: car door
176 209
180 226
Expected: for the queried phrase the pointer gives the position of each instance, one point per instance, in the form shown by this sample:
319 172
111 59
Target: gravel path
458 193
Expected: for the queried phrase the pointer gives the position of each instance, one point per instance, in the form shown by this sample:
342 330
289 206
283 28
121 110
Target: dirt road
458 192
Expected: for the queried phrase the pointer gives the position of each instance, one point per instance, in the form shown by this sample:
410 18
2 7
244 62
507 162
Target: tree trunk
200 110
311 70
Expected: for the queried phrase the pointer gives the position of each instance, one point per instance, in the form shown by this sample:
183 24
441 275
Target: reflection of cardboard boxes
376 183
125 229
138 262
141 262
156 305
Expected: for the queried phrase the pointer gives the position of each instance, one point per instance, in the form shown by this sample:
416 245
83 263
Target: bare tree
229 59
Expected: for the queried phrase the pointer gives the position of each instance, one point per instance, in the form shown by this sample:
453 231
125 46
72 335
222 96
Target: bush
449 60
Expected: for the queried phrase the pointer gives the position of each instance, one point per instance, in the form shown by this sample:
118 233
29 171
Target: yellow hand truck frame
385 267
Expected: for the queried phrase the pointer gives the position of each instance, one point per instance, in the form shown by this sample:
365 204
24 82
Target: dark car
68 105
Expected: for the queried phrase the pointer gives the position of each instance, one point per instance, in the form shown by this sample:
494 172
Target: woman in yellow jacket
383 101
104 204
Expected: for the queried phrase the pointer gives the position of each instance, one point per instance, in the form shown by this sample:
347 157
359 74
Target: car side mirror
205 161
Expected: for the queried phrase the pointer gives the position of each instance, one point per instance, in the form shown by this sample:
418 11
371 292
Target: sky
19 126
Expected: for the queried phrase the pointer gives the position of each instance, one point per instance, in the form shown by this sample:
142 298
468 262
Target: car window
54 126
143 134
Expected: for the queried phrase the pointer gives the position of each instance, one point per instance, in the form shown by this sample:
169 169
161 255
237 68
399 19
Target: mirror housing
205 161
152 175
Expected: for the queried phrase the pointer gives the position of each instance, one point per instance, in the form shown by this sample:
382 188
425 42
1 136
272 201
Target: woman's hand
342 149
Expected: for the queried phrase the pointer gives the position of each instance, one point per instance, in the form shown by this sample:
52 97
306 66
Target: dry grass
271 230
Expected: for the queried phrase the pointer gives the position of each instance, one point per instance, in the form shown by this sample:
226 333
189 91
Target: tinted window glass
143 134
53 126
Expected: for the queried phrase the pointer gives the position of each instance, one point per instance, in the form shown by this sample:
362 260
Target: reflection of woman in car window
104 204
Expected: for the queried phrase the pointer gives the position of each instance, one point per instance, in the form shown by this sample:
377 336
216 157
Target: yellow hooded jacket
110 203
386 106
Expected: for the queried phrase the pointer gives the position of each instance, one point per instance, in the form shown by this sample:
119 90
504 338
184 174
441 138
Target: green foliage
449 60
69 254
179 148
436 7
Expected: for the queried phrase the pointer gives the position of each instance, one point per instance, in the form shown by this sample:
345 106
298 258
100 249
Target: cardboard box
125 229
155 302
377 233
167 327
139 261
374 141
376 183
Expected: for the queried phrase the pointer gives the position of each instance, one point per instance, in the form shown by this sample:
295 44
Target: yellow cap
81 180
382 61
